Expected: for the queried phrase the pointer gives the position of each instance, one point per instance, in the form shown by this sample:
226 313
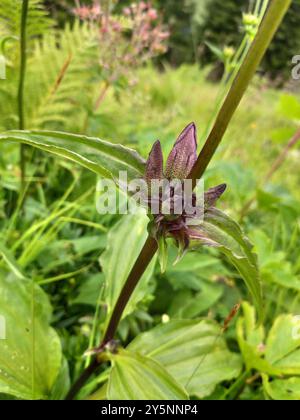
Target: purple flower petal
155 164
183 155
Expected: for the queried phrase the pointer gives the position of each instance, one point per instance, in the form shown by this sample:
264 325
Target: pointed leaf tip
213 194
183 155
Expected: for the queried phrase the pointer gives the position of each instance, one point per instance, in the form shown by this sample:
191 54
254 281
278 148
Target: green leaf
251 342
136 377
282 389
62 383
124 243
227 236
104 158
198 263
254 335
252 355
88 291
281 353
193 352
282 345
87 244
185 304
283 134
99 395
11 262
31 353
163 254
290 107
215 50
274 265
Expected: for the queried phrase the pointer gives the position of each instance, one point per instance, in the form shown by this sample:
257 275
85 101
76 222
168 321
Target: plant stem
240 382
23 56
265 34
144 259
87 373
268 27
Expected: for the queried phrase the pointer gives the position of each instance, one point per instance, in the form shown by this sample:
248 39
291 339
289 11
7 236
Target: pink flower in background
126 40
152 14
82 12
96 11
127 11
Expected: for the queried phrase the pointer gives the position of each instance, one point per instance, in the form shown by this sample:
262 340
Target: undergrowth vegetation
62 265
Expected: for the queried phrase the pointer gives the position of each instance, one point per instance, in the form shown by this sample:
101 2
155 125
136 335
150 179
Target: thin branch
61 75
279 161
23 58
102 95
283 155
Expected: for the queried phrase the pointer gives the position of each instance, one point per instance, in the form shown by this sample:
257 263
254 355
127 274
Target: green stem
236 386
265 34
144 259
236 63
23 56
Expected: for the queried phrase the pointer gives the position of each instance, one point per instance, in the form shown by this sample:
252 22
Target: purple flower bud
155 164
179 165
183 155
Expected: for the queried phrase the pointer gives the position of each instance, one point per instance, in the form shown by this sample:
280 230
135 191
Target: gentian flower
185 226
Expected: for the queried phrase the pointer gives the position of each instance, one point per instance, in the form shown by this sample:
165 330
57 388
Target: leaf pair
161 363
108 159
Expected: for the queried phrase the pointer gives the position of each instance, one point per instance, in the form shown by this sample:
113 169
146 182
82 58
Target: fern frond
38 23
60 83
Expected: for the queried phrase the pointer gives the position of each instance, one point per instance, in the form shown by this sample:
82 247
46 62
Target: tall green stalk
234 65
23 59
266 32
275 13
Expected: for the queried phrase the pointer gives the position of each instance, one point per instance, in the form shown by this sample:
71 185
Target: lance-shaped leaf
136 377
220 231
104 158
192 351
183 155
30 353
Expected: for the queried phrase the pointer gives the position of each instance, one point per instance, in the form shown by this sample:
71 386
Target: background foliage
195 23
62 264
